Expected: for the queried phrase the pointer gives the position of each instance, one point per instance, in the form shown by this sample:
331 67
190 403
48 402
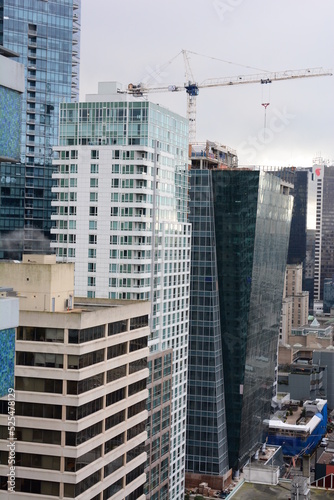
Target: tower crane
192 88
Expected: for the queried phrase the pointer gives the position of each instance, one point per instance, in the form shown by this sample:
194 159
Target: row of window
40 334
55 386
47 436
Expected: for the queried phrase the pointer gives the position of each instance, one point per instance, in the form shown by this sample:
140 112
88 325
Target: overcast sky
132 41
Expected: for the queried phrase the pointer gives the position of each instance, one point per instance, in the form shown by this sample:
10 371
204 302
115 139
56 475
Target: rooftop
252 491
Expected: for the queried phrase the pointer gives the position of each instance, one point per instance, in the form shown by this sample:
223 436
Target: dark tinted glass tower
298 179
240 252
206 450
297 241
45 34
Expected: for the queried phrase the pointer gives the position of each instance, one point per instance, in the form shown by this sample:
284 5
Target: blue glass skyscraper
45 34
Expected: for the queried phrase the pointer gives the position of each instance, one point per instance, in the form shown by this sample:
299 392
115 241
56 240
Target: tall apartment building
122 201
45 35
309 265
241 224
324 260
80 389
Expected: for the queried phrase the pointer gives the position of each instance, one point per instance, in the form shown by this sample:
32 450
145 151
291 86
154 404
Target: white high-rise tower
122 208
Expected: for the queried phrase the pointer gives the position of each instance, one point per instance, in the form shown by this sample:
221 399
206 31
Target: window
86 334
114 397
93 211
73 168
92 239
113 443
138 322
94 182
128 169
117 373
136 344
114 183
92 253
93 197
91 281
78 412
39 385
93 225
114 211
117 350
118 327
91 267
76 362
94 168
73 182
127 183
77 438
39 359
36 334
115 169
95 154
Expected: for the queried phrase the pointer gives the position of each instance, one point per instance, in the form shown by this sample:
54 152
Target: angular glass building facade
247 252
46 37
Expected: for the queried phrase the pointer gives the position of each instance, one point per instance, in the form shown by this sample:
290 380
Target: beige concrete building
295 302
80 389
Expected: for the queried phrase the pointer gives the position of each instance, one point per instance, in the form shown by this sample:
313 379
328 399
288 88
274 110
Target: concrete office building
241 225
45 38
80 387
121 193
